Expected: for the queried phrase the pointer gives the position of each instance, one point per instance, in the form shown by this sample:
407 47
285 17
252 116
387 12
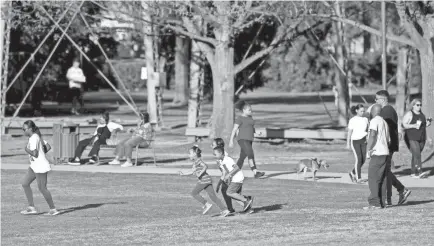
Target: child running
245 126
233 176
205 182
218 142
39 168
356 140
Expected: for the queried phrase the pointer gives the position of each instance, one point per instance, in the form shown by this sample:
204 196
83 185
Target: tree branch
204 47
369 29
401 8
276 41
192 35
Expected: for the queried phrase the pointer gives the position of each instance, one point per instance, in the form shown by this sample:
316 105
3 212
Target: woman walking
39 168
245 127
143 133
415 123
356 140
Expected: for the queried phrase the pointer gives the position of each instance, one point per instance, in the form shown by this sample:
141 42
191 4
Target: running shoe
75 162
29 211
403 196
93 160
53 212
225 213
247 204
206 208
259 174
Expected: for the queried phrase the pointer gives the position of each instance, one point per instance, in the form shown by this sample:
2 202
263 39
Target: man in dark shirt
389 114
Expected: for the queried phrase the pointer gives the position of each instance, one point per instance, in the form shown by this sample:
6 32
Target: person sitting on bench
101 135
142 134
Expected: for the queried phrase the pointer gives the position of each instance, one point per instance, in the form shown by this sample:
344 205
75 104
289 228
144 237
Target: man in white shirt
76 79
378 152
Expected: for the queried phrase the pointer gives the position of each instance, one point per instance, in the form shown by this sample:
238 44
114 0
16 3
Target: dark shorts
234 188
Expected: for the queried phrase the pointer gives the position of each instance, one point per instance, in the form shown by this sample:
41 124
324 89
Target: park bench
113 141
200 132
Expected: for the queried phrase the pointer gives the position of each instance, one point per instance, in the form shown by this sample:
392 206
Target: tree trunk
181 70
427 65
153 78
196 68
340 79
401 84
366 35
223 92
416 73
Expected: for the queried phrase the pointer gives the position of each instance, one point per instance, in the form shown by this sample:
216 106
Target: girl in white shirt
39 168
356 140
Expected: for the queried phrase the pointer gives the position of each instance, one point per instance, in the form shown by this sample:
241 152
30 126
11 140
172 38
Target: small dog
313 164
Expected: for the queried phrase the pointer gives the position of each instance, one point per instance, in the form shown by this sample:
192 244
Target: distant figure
336 94
350 92
76 79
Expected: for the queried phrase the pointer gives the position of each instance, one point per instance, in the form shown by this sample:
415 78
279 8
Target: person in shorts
39 168
245 127
234 177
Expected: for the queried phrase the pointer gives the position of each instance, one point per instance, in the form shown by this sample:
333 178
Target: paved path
326 177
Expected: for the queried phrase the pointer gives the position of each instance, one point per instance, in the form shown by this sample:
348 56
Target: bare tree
417 19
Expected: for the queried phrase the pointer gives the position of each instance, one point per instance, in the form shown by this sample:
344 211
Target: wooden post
383 45
5 24
150 65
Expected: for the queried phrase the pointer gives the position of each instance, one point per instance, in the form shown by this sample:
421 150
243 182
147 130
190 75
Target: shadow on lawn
268 208
150 160
87 206
412 203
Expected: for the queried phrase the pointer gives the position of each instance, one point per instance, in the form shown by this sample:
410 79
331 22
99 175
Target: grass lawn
137 209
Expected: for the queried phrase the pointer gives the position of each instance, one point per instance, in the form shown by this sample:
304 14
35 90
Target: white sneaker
127 164
114 162
206 208
53 212
29 210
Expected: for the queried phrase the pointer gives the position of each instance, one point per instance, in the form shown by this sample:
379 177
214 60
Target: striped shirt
198 166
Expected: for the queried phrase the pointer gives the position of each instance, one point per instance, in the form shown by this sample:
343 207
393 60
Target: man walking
389 115
378 153
76 79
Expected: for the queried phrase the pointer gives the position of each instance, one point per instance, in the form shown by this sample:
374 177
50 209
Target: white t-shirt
228 164
76 77
359 125
379 125
111 126
40 164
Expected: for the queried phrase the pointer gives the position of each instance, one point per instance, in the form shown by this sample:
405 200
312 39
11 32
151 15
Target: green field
138 209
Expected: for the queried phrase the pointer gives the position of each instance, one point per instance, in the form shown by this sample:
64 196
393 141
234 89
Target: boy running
233 176
245 126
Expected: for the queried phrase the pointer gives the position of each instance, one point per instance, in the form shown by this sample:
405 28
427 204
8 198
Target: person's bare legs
41 179
27 180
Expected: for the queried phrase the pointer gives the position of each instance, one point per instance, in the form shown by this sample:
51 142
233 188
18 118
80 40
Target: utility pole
383 45
5 27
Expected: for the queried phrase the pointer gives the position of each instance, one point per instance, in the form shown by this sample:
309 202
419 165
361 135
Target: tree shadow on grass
268 208
412 203
87 206
150 160
266 176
